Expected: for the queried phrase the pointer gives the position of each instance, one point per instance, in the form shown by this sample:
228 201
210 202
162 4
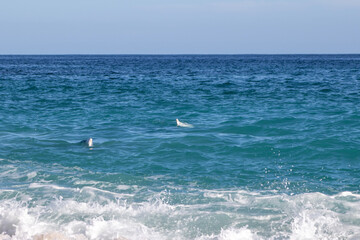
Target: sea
272 149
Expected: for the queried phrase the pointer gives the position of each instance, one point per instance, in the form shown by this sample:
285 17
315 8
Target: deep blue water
274 152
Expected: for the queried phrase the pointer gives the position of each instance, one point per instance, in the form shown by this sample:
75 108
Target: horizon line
164 54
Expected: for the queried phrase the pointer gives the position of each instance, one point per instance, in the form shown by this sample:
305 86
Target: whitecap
31 175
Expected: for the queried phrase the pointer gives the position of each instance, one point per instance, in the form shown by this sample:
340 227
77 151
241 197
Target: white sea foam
56 187
89 182
95 191
123 187
18 221
156 177
31 175
231 234
211 215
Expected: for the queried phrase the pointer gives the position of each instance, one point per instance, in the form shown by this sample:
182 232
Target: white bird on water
183 124
88 142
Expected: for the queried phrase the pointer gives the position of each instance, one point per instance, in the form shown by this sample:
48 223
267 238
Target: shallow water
274 152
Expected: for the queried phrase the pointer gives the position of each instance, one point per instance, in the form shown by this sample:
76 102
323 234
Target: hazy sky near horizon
179 27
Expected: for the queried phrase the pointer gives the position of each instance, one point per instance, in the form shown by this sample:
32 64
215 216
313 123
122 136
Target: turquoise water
274 152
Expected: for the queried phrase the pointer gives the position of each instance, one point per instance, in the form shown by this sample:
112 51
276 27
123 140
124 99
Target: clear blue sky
179 27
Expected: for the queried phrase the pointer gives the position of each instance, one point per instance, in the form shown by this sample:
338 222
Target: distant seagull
88 142
181 124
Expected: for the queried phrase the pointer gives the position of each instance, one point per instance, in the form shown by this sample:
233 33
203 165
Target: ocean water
274 152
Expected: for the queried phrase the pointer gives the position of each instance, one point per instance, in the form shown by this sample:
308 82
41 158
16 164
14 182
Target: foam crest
315 224
16 221
216 215
31 175
231 234
51 186
93 221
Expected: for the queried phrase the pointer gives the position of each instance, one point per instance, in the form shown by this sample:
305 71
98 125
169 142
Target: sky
179 27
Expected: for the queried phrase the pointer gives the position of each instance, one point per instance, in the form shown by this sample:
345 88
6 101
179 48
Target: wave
200 215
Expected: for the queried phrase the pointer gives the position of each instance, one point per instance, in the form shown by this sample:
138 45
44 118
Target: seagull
181 124
88 142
